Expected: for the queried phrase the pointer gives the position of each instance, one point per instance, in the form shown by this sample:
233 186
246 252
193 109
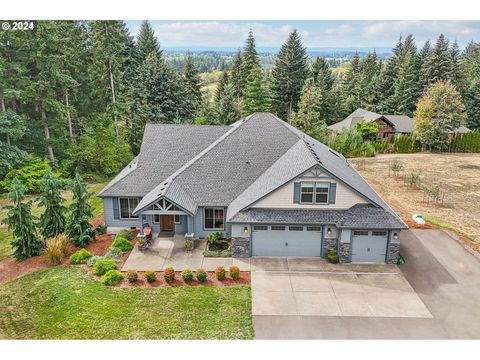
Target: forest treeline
79 93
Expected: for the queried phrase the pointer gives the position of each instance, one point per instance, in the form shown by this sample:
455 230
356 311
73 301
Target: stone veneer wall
393 252
329 244
344 252
240 247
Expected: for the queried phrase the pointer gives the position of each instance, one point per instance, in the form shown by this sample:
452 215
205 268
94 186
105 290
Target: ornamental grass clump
57 248
169 274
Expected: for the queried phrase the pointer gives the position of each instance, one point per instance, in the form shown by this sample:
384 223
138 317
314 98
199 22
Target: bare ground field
457 174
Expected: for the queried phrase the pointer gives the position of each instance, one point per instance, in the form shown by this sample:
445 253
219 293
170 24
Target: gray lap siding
198 226
110 220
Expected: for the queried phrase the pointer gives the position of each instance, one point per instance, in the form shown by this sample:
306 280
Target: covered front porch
166 218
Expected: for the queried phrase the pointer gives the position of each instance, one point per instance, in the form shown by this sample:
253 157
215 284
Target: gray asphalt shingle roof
231 166
165 148
358 216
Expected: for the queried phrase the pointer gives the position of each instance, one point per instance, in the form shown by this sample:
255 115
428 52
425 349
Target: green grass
442 224
65 302
5 235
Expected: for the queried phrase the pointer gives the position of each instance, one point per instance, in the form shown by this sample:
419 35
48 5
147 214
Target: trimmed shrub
132 276
81 257
201 275
220 273
104 265
187 275
234 272
169 274
123 244
126 234
100 229
150 276
112 277
332 256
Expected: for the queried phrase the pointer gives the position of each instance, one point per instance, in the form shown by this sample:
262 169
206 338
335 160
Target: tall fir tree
256 97
250 59
469 68
52 220
288 76
322 73
21 223
159 96
369 77
147 42
438 66
351 84
423 56
222 83
308 118
78 226
227 109
192 82
236 75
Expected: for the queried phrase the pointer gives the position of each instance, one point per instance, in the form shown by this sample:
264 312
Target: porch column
189 224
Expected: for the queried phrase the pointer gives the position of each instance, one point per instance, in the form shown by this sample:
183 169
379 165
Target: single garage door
285 240
369 246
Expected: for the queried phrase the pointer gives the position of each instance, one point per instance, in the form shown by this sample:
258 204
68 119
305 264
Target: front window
127 205
176 219
213 219
314 193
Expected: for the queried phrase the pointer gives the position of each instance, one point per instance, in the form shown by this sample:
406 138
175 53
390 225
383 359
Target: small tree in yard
439 112
52 221
21 222
78 227
368 130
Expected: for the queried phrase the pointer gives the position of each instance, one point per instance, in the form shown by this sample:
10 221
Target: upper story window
127 205
314 193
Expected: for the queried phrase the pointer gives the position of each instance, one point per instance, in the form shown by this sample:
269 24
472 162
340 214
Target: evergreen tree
368 82
256 97
308 118
227 110
222 83
469 68
351 84
21 223
438 66
12 126
159 96
288 76
236 74
146 42
52 221
78 225
322 73
423 56
387 77
192 84
249 60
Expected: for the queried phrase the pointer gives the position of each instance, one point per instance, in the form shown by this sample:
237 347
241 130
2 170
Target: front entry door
167 222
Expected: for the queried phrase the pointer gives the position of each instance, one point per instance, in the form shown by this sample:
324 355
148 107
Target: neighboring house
388 125
272 189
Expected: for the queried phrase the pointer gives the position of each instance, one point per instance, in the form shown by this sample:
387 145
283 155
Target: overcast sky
314 33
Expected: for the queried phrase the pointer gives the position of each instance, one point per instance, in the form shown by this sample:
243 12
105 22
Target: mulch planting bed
11 269
211 280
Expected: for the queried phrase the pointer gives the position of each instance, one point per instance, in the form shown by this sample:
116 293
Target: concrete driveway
335 294
442 274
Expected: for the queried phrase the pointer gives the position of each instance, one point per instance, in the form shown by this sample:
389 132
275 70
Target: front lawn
65 302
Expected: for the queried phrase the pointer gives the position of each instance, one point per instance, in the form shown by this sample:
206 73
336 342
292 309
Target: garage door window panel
260 227
314 228
379 233
360 233
295 228
278 228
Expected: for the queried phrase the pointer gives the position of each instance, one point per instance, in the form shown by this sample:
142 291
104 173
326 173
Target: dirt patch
457 175
211 281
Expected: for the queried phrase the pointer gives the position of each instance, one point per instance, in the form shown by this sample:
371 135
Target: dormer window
314 193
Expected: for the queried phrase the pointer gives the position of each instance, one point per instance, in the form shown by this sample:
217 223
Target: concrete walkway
170 251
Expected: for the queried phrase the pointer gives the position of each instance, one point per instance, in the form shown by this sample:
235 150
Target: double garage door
369 246
285 240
